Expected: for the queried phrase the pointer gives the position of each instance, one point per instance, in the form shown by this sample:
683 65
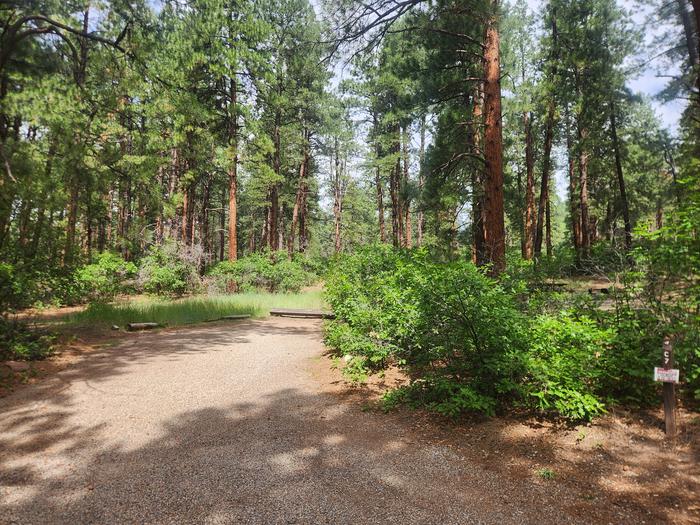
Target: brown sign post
669 387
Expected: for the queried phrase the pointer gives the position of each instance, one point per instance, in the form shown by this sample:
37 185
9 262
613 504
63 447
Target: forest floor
248 421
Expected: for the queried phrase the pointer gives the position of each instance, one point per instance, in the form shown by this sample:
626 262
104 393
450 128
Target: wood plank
141 326
233 317
309 314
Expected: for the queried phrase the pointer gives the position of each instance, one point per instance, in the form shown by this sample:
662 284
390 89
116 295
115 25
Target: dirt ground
622 459
266 390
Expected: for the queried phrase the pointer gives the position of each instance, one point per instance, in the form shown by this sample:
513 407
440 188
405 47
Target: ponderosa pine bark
529 215
479 256
543 204
378 183
583 162
407 240
273 235
621 179
301 190
421 181
494 219
394 194
80 72
233 173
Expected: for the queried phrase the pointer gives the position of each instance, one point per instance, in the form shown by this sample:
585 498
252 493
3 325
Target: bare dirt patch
622 461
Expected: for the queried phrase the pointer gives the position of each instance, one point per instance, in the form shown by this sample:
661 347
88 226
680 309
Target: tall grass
191 309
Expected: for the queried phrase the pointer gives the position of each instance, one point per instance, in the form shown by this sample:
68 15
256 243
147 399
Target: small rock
115 327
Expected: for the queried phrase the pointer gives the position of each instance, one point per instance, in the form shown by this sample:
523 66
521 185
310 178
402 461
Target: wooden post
669 391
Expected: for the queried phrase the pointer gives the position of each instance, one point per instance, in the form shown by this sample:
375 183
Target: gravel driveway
225 423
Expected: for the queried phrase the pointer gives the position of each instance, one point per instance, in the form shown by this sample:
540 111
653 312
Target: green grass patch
191 309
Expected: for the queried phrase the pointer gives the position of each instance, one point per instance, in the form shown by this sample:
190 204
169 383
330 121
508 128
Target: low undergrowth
469 343
19 341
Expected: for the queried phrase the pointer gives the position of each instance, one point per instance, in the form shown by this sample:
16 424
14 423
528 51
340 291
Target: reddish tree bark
478 237
494 222
233 173
543 204
529 212
299 201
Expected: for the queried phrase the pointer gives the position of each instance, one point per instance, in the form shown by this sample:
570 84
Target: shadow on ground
293 455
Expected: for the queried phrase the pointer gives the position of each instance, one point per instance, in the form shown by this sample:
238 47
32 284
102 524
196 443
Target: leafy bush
170 269
471 344
566 365
35 285
455 331
271 271
105 278
10 291
18 342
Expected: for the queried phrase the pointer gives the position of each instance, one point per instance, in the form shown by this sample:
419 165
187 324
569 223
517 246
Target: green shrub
271 271
452 329
10 291
170 270
19 342
566 365
105 277
471 344
37 284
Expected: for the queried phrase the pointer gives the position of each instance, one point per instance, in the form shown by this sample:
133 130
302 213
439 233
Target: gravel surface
226 424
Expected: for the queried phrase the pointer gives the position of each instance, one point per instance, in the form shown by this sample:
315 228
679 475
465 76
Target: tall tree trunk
494 224
205 239
80 76
299 200
573 186
529 215
337 198
691 39
72 220
394 194
185 232
421 181
479 256
548 221
696 12
406 203
233 173
222 226
274 190
303 216
583 160
41 214
621 179
543 204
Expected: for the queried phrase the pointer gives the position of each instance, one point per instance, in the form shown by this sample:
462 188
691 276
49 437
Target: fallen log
132 327
307 314
234 317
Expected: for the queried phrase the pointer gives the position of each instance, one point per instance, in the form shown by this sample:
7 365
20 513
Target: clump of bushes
171 269
39 284
471 344
270 271
19 342
106 277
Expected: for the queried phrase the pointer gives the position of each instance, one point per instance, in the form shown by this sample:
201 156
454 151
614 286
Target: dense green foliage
16 342
105 277
470 344
272 272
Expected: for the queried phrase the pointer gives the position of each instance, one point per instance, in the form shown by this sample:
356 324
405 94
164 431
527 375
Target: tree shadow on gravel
292 457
